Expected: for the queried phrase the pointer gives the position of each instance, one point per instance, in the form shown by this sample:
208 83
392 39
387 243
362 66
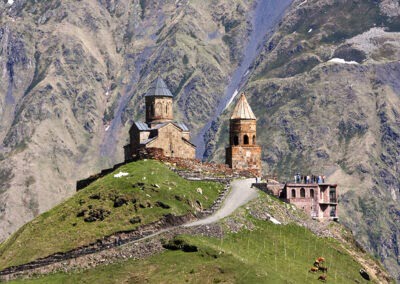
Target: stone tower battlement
158 103
243 151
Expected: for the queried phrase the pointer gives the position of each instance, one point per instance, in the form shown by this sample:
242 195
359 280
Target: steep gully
266 15
241 193
107 148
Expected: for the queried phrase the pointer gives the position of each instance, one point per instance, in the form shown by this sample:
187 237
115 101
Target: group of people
309 179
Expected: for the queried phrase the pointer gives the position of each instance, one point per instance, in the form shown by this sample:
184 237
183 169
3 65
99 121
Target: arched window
158 109
302 192
254 139
246 140
293 193
312 193
235 140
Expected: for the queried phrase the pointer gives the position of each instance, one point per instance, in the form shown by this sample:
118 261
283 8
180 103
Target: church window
158 108
302 192
166 109
246 139
293 193
312 193
235 140
254 139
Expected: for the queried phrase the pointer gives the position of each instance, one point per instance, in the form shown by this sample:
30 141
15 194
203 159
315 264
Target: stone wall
272 189
240 157
240 128
170 140
159 109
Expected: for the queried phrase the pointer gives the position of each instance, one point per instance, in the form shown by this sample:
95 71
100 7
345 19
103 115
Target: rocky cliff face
74 74
73 77
338 117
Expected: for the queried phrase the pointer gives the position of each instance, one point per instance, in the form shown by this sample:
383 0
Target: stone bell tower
243 152
158 103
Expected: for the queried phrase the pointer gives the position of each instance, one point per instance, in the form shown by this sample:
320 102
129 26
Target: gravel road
240 194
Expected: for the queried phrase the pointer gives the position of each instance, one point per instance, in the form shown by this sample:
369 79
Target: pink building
310 193
319 200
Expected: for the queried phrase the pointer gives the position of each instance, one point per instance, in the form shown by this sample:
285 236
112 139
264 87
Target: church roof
158 88
242 109
142 126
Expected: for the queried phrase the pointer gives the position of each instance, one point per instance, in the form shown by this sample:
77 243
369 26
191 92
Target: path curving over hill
240 194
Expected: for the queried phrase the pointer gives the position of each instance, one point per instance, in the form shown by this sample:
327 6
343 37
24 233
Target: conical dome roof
242 109
158 88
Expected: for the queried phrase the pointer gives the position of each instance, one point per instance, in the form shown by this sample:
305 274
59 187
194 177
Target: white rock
121 174
273 220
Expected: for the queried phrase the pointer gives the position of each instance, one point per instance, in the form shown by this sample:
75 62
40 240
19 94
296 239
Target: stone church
243 152
159 130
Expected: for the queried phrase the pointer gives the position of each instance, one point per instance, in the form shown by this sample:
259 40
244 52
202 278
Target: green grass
266 254
60 230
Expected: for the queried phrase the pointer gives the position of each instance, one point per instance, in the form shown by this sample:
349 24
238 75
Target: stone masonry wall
240 157
170 140
240 128
159 109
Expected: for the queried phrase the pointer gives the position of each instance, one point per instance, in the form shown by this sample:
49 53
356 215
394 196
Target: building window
312 193
254 139
302 192
235 140
246 140
333 211
159 109
293 193
166 109
332 194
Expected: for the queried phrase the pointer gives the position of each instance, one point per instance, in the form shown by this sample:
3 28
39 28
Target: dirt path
240 194
95 254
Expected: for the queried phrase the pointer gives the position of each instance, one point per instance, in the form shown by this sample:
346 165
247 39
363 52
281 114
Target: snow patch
231 100
10 2
121 174
107 127
342 61
310 30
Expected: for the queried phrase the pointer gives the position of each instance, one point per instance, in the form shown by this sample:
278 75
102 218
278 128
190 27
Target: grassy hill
250 250
111 204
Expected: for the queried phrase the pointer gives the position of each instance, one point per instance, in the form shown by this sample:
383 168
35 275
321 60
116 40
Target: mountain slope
243 248
73 77
144 193
338 118
74 72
